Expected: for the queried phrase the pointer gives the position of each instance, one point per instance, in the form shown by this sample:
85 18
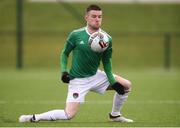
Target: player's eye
93 16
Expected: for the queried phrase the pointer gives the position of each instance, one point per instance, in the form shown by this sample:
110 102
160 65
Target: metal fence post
19 34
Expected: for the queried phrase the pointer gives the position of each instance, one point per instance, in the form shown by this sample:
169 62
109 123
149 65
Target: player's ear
85 17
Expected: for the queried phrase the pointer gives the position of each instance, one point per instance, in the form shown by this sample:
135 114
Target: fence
33 46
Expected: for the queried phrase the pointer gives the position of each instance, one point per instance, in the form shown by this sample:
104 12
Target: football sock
52 115
118 102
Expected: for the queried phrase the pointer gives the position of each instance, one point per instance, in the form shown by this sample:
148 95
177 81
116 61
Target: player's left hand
118 88
65 77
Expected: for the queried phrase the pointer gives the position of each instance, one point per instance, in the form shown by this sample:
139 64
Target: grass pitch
154 100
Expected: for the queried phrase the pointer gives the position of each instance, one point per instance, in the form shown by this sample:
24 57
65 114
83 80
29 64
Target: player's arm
69 45
107 63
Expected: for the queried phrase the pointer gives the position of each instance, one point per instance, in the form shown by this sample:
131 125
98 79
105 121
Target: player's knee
71 115
71 109
128 85
124 82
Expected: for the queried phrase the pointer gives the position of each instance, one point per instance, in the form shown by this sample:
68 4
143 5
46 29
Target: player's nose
97 19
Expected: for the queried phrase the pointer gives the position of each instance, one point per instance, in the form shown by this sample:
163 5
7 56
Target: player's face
94 19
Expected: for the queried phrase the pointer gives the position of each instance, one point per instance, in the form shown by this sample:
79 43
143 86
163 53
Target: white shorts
79 87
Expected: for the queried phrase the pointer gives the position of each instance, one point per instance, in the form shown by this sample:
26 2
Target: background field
138 32
154 100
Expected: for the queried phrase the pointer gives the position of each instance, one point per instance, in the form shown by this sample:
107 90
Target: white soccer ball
98 41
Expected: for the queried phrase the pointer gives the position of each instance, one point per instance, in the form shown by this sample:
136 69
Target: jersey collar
88 31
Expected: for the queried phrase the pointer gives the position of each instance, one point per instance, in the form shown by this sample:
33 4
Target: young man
84 75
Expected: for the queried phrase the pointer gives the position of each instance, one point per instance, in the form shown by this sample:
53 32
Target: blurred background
146 34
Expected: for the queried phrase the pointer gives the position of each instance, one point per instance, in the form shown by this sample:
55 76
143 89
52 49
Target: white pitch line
172 102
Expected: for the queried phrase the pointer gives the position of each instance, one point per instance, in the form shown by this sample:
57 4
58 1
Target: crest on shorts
75 95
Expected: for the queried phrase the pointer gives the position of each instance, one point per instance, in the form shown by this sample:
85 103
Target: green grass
154 100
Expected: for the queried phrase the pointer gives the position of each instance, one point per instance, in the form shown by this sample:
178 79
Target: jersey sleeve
107 63
68 47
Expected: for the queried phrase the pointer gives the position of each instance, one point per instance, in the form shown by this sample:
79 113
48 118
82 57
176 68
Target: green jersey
85 62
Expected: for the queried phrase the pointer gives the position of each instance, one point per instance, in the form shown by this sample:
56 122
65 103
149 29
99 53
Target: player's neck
92 30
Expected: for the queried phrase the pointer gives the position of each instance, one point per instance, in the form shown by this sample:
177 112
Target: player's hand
118 88
65 77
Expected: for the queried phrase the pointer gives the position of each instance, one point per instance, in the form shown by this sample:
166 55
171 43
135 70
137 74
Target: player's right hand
65 77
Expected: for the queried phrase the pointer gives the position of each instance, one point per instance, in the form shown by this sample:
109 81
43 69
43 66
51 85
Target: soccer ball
98 42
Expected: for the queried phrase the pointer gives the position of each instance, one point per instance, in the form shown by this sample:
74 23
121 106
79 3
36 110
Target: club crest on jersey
82 42
75 95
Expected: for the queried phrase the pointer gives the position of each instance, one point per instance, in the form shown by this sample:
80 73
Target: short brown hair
93 7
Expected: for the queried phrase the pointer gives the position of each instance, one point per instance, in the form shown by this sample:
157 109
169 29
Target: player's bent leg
72 109
119 100
124 82
68 113
46 116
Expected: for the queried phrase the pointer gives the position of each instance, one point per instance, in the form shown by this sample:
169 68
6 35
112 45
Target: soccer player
84 75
